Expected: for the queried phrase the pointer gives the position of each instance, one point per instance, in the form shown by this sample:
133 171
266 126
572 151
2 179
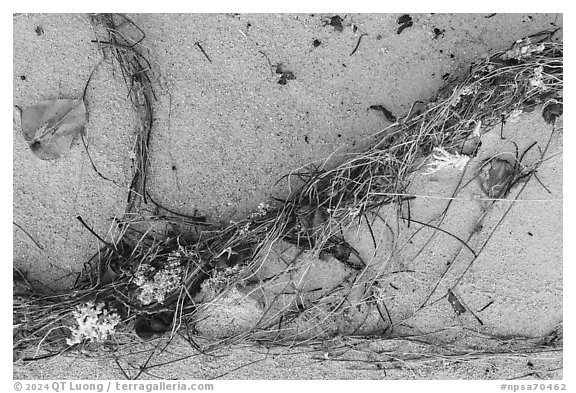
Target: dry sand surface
260 96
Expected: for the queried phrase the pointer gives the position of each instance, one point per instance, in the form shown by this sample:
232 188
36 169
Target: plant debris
404 21
39 30
358 43
127 50
551 111
496 177
486 306
203 51
336 22
523 49
527 18
438 33
50 127
387 114
309 222
458 308
148 327
285 75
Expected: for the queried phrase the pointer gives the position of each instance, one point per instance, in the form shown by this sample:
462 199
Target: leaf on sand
455 303
551 112
50 126
496 177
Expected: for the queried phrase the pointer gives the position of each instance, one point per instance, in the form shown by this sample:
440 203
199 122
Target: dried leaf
336 22
551 112
495 177
404 22
50 126
456 305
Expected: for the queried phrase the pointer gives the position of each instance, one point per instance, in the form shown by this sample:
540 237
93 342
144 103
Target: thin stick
92 162
203 51
446 232
112 247
358 43
30 236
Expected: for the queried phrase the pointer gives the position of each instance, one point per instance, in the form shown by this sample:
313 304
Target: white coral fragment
154 284
94 323
445 160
